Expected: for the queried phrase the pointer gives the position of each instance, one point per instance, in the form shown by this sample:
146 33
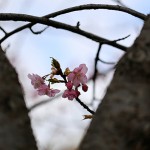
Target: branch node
78 25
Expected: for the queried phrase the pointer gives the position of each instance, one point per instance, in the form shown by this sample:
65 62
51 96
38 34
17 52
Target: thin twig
120 3
43 102
121 38
58 25
108 63
85 106
3 30
95 68
37 32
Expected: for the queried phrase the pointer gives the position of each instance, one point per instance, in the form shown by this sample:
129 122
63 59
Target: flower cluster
42 88
72 80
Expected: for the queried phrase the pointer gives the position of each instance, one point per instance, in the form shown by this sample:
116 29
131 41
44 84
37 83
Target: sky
60 119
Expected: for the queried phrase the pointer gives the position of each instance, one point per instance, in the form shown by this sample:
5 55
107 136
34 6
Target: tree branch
38 32
98 6
95 69
56 24
79 8
3 30
85 106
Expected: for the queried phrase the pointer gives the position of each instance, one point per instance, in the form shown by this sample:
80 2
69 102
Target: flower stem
85 106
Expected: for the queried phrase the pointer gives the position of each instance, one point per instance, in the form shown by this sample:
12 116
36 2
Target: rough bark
15 129
122 120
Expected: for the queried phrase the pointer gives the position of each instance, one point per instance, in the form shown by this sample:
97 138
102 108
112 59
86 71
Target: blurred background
58 123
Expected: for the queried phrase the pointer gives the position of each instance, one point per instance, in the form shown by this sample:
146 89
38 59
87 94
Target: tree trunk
15 129
122 120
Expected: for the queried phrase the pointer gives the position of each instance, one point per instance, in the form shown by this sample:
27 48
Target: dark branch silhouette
58 25
78 8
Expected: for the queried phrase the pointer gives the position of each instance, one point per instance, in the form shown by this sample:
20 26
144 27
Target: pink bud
84 87
69 85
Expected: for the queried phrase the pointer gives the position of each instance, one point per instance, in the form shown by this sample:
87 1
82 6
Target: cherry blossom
36 80
71 94
78 76
45 90
73 80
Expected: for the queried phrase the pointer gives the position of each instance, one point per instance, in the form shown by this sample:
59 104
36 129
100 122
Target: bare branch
98 6
78 8
108 63
95 69
50 100
43 102
3 30
58 25
121 38
99 59
38 32
85 106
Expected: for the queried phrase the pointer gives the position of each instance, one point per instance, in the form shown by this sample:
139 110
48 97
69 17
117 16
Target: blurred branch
119 2
6 48
99 59
57 96
55 24
95 69
43 102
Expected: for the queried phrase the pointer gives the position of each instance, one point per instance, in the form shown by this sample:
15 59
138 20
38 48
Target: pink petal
52 93
56 90
76 82
43 89
84 69
65 94
83 79
71 77
76 70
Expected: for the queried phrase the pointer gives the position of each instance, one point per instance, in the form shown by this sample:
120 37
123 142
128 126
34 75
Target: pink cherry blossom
45 90
36 80
78 76
53 92
84 87
71 94
69 85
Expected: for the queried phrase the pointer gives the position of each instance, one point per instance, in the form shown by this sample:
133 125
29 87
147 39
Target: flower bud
69 85
84 87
